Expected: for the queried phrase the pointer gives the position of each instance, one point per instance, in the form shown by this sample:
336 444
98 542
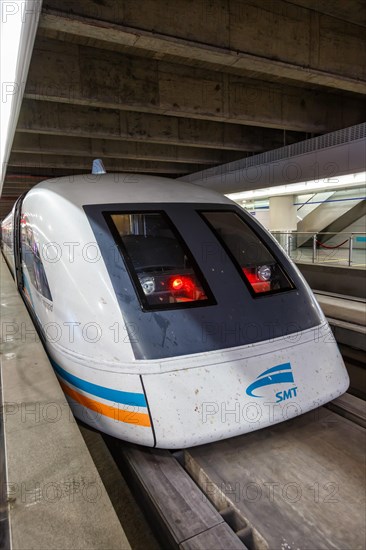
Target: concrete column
282 213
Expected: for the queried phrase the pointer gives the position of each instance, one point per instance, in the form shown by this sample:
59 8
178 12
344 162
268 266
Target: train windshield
163 270
256 264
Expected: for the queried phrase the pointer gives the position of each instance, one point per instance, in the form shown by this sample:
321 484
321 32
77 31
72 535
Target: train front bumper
221 395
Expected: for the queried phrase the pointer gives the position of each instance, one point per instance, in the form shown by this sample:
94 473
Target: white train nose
247 390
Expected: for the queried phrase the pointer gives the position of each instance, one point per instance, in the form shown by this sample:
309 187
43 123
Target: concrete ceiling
172 88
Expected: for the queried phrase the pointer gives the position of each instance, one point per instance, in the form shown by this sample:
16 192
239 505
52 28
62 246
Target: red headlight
183 283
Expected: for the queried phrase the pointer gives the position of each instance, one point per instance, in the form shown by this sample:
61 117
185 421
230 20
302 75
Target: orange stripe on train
130 417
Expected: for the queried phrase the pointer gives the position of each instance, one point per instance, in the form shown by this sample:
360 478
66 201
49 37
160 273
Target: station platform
52 494
347 318
335 279
343 308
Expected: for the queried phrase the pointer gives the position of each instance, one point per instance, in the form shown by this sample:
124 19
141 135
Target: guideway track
298 484
295 485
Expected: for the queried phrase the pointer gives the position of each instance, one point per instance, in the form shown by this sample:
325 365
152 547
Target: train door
17 243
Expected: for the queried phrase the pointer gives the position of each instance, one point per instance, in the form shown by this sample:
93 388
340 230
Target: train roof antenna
98 167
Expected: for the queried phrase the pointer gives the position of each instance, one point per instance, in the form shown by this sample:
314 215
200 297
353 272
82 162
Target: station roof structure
174 88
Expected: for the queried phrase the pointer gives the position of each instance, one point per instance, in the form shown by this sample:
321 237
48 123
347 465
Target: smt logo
281 374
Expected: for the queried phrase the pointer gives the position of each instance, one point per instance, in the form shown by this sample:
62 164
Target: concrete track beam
61 119
5 207
352 11
321 158
79 75
14 186
83 163
315 49
88 147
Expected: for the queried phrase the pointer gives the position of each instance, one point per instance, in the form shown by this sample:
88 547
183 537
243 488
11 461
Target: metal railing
324 247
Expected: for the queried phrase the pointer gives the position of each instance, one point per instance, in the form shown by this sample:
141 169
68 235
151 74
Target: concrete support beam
5 207
10 191
22 180
80 75
321 158
84 163
9 198
62 119
316 48
282 213
14 185
75 146
352 11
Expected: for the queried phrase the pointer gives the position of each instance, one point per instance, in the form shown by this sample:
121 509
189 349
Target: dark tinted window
159 263
31 258
256 263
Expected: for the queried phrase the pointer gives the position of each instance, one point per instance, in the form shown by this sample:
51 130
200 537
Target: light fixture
349 180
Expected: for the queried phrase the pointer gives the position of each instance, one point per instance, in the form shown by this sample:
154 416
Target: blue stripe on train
118 396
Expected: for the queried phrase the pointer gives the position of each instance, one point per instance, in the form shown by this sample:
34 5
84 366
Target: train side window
32 261
261 271
163 270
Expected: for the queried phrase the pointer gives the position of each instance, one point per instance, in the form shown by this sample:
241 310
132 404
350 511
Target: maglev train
171 317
